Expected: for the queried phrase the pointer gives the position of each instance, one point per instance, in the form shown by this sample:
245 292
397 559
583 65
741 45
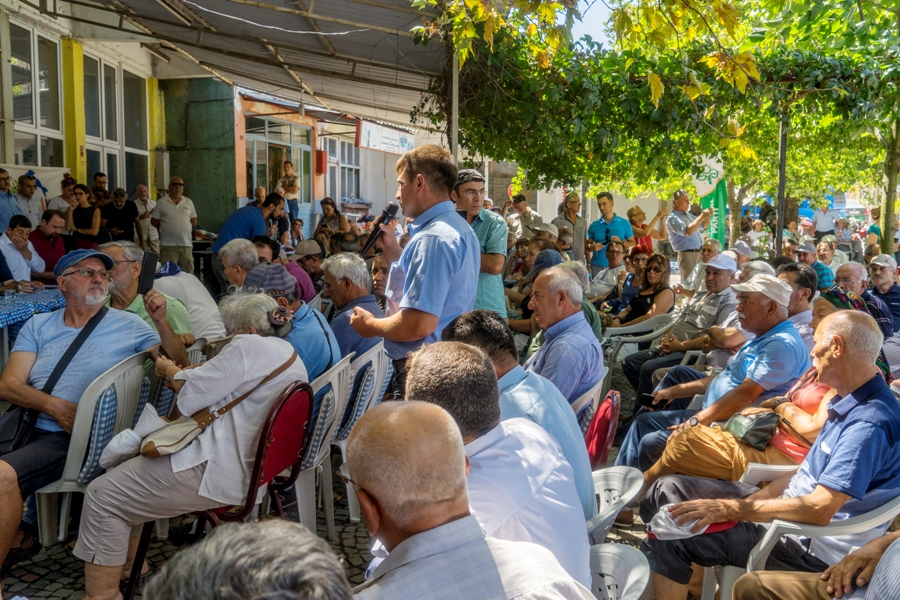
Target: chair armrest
689 356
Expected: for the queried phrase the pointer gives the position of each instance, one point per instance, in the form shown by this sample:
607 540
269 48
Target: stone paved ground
55 573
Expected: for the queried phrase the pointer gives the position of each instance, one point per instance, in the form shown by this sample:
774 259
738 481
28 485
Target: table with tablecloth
16 309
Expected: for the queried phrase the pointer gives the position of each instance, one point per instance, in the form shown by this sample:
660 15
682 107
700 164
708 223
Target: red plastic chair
281 446
602 430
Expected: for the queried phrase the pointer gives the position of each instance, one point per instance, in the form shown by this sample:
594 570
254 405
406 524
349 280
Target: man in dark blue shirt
246 223
882 272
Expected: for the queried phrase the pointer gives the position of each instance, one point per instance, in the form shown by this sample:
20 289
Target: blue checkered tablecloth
15 310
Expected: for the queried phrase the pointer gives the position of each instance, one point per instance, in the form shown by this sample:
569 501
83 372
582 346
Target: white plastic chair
649 330
336 381
316 302
616 488
213 347
618 572
697 356
82 466
592 396
371 387
756 561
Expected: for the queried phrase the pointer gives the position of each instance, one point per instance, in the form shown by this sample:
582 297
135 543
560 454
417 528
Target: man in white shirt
408 466
145 206
521 488
30 205
608 278
18 251
824 220
206 321
175 218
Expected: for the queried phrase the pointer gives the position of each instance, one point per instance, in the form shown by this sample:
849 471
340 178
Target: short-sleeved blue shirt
892 299
348 340
315 343
676 225
602 232
245 223
774 360
437 273
119 335
529 396
825 275
9 207
491 230
856 453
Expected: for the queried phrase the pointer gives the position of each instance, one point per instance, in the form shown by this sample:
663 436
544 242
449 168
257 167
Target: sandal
26 551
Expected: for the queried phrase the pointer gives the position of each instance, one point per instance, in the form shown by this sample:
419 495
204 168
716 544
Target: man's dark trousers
640 366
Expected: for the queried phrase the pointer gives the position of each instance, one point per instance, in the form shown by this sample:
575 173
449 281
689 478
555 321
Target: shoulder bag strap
204 417
327 339
796 434
73 349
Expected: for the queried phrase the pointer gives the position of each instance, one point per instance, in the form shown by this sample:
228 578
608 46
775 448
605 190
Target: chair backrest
195 352
615 487
213 347
331 390
282 439
163 398
602 431
592 397
316 302
364 373
106 407
618 572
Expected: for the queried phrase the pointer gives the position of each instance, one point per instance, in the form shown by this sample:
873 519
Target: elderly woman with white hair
214 469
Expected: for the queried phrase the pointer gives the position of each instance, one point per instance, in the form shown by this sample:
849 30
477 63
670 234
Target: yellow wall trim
73 108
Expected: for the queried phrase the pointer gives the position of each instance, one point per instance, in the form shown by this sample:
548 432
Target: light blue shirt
492 232
602 232
774 360
118 336
348 340
530 396
315 343
437 273
677 225
9 207
570 357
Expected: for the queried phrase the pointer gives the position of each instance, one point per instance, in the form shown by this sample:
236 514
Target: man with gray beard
83 276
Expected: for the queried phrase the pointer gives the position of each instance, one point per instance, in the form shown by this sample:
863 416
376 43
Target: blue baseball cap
545 260
76 256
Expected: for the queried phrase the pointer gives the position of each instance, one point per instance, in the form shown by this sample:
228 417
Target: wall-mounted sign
387 139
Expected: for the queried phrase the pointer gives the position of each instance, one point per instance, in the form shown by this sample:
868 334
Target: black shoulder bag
17 425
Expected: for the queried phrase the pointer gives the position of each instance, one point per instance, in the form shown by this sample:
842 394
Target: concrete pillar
7 139
73 107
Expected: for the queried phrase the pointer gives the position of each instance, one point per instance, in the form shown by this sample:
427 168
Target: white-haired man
883 272
570 357
408 465
347 284
238 257
853 277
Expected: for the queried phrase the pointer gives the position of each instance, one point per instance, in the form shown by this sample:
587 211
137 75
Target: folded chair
618 572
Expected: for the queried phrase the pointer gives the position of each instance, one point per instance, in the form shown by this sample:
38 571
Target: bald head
856 332
852 277
410 457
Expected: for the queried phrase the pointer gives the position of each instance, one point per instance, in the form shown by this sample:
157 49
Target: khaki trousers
780 585
686 263
183 256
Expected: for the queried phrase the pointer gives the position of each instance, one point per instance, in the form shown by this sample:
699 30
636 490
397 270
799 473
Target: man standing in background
145 206
291 185
571 219
684 232
175 218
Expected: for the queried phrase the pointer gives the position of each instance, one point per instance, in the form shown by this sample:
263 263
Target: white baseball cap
741 247
767 285
884 260
722 261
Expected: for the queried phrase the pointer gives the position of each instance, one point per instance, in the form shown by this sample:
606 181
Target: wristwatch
693 422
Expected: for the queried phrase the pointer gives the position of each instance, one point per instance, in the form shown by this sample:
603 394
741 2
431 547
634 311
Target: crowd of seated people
479 484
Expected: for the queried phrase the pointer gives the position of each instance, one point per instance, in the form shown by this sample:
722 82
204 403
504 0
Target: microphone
389 214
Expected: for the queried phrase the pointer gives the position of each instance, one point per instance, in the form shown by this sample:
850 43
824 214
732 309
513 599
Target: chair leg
48 512
64 516
162 529
352 502
328 498
305 488
729 576
139 557
709 584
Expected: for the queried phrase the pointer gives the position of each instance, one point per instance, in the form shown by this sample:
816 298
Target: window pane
22 86
48 82
279 132
136 172
91 96
306 184
356 183
344 152
52 152
356 155
343 189
256 126
301 135
26 149
112 171
94 165
135 93
332 148
109 109
332 181
260 165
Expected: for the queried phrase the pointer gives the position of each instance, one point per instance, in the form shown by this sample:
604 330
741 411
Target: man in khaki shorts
175 218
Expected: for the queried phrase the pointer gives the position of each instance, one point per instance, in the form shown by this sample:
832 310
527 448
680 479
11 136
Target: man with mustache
48 243
83 277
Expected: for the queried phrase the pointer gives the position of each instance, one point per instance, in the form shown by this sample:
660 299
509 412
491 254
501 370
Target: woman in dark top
83 219
332 220
655 297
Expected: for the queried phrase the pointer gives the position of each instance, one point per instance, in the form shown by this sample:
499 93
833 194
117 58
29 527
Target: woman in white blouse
214 470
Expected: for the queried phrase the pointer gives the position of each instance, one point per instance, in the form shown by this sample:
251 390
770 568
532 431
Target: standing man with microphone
434 278
684 232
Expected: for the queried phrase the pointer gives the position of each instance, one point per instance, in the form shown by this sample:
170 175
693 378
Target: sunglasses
656 269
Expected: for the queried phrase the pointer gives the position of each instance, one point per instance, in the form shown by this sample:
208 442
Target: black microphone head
390 211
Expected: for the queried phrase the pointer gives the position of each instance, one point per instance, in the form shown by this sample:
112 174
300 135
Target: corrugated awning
352 56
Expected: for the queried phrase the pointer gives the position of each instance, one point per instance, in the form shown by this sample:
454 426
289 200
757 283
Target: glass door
277 155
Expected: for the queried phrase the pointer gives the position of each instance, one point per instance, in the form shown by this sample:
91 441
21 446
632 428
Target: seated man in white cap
883 273
548 231
308 254
764 367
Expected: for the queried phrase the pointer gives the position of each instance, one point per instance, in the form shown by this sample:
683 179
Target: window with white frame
37 106
115 107
349 170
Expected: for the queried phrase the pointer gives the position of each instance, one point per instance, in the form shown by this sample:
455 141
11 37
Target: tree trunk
736 197
891 171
